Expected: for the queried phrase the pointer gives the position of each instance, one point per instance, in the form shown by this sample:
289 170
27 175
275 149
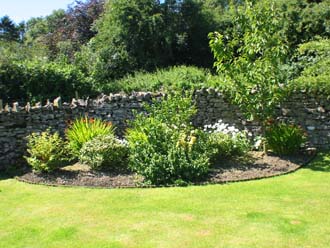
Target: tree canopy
108 40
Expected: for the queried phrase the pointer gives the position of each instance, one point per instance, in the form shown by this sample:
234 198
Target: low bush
105 152
284 139
85 129
228 146
227 140
164 155
168 150
47 152
178 77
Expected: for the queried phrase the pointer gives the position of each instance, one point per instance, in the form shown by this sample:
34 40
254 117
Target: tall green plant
84 129
285 139
250 60
164 147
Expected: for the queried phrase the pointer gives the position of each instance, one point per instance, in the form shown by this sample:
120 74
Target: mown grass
287 211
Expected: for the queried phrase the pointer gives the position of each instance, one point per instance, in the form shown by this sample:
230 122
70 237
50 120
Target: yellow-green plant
85 129
47 151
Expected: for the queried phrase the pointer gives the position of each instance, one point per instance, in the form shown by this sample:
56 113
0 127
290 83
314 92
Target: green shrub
38 80
164 155
53 79
84 129
228 146
284 139
168 150
176 110
178 77
227 140
312 68
47 151
105 152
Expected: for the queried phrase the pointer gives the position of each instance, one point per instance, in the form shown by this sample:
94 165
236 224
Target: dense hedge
312 68
38 80
41 80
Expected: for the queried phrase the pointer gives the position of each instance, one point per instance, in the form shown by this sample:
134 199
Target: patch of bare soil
81 175
254 166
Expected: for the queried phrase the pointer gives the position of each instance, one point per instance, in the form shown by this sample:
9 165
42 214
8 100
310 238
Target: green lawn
286 211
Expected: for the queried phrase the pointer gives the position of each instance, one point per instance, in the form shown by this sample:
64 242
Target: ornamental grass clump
285 139
85 129
47 152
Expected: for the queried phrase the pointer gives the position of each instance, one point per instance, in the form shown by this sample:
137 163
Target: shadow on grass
13 171
320 163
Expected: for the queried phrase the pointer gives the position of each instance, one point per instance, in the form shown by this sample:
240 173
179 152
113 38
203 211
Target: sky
22 10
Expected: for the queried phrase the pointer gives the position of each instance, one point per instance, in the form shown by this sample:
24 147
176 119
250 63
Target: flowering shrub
84 129
164 155
47 151
104 152
227 140
284 139
167 150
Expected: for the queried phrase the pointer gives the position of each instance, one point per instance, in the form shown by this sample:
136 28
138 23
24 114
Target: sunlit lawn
286 211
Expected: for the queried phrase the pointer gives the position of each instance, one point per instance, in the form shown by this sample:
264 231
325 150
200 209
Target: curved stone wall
16 122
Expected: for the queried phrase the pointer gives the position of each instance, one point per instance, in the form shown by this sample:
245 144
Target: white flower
258 143
221 127
231 129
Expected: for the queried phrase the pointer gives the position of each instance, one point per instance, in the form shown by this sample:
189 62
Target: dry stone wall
16 122
312 112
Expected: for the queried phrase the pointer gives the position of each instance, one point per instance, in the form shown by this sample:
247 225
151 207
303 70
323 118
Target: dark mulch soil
80 175
255 166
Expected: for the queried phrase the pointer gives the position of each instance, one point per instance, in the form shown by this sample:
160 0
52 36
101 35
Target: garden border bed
228 173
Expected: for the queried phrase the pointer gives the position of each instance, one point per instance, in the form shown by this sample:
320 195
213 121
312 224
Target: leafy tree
47 31
81 17
193 28
250 60
21 30
63 32
36 29
148 34
8 30
304 20
129 37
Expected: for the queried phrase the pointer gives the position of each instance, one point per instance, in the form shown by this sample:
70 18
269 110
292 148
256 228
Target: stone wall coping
97 102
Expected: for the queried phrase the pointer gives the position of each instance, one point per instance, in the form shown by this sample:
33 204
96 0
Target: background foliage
312 67
90 46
